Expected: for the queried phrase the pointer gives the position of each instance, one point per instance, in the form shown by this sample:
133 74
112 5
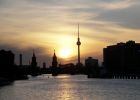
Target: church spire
34 62
33 53
54 53
54 60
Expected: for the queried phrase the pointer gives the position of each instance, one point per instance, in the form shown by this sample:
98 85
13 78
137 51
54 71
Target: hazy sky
45 25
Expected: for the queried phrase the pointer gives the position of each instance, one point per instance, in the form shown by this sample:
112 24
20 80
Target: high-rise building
7 64
122 59
6 58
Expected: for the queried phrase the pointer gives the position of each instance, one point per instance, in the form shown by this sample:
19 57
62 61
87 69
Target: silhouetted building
44 69
92 67
6 64
20 59
66 65
34 69
122 59
44 65
34 63
68 68
54 60
54 65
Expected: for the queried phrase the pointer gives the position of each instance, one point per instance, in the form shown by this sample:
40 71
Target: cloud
27 24
117 4
128 18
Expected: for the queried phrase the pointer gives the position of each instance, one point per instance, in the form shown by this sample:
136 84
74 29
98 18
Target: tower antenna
78 30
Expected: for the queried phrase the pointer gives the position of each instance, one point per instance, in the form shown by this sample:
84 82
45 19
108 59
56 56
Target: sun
64 53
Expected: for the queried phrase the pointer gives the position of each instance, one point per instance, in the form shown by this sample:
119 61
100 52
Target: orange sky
52 24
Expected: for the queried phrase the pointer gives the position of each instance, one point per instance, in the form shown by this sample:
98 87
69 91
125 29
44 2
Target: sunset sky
45 25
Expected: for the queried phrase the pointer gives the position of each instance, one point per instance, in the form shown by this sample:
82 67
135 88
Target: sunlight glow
65 53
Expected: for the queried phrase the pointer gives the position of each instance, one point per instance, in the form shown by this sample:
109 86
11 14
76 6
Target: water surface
76 87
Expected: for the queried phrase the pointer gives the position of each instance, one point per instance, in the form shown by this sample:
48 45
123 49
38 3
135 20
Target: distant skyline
45 25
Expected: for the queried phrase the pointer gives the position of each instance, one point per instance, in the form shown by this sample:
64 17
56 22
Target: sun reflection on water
66 88
63 76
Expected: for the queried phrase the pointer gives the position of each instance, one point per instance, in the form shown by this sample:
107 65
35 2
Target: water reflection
65 76
66 87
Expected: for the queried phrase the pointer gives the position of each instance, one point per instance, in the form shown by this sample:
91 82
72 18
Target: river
76 87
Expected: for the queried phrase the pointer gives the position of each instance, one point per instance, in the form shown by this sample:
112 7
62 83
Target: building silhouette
20 59
44 65
34 69
68 68
34 62
7 64
122 60
92 67
54 60
54 65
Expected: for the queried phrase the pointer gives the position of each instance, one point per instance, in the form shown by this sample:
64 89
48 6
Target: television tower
78 44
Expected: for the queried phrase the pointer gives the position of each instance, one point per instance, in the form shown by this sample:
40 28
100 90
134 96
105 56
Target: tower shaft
78 44
78 54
